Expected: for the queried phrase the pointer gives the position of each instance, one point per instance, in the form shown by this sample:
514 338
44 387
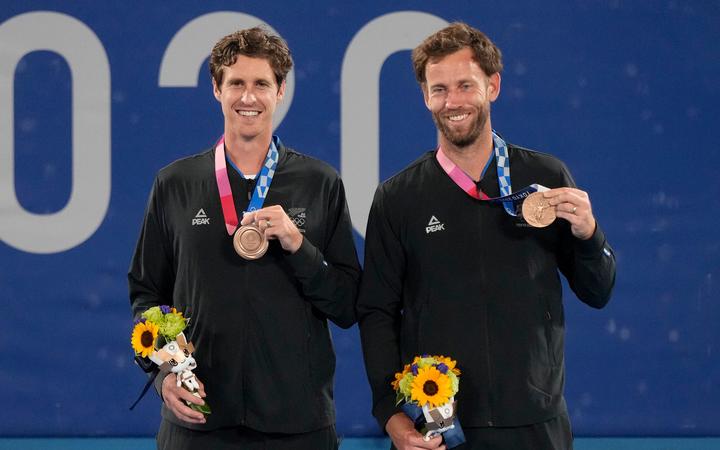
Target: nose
453 100
248 96
191 363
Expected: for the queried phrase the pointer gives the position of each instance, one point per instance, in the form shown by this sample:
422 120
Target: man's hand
275 224
574 206
405 437
174 397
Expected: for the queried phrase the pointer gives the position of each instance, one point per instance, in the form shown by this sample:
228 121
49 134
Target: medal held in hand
428 387
249 242
537 211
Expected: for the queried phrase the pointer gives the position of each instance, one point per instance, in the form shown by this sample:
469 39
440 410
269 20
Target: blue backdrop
95 98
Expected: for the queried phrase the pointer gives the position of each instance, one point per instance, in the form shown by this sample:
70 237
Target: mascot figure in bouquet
163 324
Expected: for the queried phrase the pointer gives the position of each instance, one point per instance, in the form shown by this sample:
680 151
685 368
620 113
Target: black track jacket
446 274
260 330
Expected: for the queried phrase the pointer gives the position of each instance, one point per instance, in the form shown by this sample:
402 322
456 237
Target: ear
494 86
281 91
180 338
159 357
426 97
216 90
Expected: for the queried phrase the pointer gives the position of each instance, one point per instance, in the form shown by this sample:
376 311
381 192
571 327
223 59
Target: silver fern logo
298 217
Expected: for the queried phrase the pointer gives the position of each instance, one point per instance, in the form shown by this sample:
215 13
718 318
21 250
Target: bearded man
459 264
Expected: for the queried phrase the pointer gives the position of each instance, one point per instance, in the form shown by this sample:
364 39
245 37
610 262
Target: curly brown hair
454 37
254 42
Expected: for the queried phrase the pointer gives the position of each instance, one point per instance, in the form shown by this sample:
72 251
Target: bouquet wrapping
427 389
158 335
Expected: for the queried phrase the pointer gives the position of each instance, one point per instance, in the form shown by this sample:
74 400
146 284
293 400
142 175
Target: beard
458 138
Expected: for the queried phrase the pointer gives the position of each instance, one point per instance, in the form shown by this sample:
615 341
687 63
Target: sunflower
431 386
143 338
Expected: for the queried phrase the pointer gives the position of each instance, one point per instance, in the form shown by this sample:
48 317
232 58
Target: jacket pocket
552 324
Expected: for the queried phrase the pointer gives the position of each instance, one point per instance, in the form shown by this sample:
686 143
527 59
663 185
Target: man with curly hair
258 288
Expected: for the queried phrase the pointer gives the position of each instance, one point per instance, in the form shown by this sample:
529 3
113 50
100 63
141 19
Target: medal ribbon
264 179
502 159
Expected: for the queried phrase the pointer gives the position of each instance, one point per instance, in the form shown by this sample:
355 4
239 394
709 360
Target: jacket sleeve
589 268
151 276
588 265
379 308
329 273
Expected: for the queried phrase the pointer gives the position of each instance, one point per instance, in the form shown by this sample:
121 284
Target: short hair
254 42
455 37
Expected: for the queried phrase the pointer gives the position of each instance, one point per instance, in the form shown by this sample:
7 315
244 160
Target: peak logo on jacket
434 225
201 218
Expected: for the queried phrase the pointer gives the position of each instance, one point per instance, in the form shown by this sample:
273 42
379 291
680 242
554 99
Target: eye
173 362
187 353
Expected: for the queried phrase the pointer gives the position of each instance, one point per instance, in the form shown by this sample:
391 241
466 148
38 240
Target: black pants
175 437
555 434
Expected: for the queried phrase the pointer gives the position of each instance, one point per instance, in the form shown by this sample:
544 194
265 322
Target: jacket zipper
489 369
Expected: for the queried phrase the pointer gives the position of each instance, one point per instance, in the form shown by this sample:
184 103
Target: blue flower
443 368
414 369
165 309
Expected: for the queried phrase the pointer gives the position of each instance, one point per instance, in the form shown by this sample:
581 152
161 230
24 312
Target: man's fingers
416 440
248 218
188 396
565 195
568 208
185 413
175 401
201 388
435 442
574 206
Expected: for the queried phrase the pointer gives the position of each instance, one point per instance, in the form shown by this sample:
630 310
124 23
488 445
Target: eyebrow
256 80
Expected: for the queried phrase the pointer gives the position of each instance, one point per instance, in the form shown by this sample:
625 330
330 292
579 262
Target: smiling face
248 95
458 94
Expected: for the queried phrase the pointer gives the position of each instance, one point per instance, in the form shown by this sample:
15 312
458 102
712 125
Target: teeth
457 117
249 113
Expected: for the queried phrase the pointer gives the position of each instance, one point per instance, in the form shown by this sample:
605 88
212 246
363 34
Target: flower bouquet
428 387
158 335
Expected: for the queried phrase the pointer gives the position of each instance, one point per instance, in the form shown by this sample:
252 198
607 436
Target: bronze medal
537 211
249 242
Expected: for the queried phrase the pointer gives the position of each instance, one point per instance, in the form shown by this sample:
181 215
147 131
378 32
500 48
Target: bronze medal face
249 242
537 211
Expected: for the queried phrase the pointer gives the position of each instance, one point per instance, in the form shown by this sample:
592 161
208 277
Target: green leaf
205 409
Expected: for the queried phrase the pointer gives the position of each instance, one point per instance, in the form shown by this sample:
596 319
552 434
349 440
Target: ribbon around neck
509 199
262 187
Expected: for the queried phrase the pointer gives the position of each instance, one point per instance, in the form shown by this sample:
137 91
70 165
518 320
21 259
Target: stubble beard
459 139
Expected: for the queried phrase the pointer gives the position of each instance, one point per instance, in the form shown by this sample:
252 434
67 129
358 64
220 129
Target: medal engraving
537 211
249 242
